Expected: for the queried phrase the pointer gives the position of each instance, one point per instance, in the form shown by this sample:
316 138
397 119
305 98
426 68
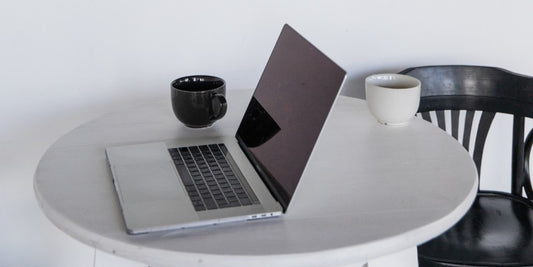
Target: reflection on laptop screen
287 112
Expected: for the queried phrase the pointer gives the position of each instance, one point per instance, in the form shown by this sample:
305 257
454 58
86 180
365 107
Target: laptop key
223 148
210 204
197 203
184 175
242 196
204 192
174 153
234 204
227 190
246 202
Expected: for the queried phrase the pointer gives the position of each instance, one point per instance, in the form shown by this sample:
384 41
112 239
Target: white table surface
368 190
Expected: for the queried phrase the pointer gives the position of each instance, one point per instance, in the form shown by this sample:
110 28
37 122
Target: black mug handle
218 101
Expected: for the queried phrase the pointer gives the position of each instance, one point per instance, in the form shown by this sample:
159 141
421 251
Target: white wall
65 62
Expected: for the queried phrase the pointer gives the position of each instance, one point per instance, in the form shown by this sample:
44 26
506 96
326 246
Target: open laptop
175 184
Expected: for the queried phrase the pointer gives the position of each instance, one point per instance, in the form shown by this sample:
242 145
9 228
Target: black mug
199 100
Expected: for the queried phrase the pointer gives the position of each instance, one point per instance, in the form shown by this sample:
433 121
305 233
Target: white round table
368 190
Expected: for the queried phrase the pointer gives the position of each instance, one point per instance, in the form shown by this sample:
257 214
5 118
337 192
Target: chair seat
496 231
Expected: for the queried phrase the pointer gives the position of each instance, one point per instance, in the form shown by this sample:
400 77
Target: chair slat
441 119
518 155
469 118
426 116
482 131
455 124
527 175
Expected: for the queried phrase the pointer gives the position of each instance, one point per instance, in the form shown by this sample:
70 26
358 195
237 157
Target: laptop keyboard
208 178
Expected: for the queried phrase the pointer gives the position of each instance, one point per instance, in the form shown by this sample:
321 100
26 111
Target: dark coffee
198 101
398 87
201 83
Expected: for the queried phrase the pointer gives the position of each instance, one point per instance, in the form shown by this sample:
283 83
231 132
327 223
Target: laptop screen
288 109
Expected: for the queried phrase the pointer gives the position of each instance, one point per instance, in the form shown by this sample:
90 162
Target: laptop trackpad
152 196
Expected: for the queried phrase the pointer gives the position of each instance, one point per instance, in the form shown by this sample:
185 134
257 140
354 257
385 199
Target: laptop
177 184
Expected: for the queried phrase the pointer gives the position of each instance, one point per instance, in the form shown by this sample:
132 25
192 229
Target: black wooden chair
498 228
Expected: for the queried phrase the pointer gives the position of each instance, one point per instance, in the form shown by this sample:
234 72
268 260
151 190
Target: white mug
392 99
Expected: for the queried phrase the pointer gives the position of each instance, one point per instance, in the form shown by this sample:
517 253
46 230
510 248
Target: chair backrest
468 91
